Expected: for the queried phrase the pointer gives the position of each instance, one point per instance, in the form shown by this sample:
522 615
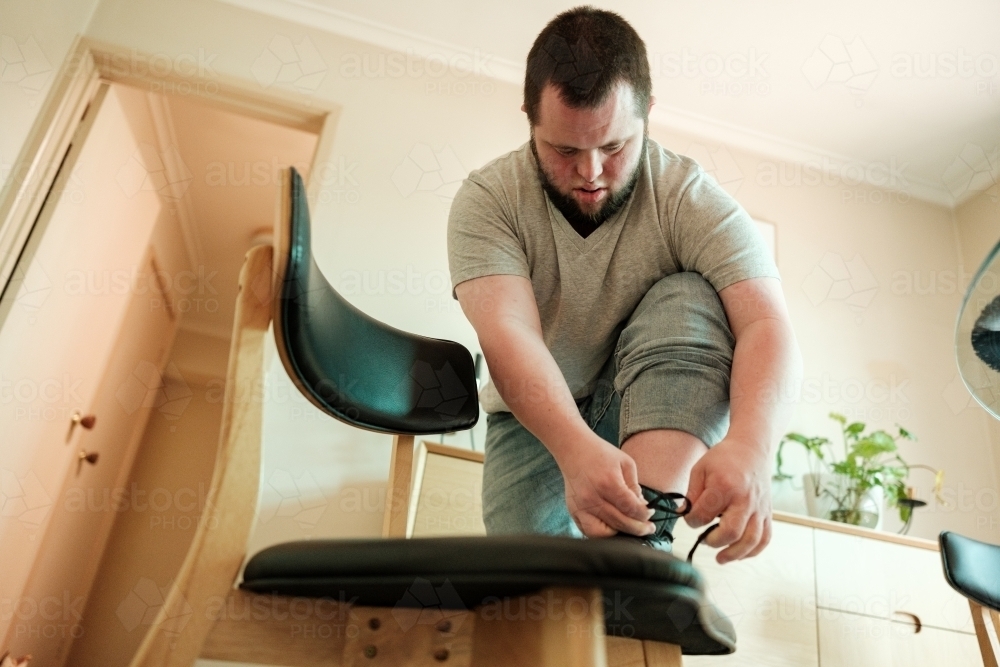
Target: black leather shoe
665 515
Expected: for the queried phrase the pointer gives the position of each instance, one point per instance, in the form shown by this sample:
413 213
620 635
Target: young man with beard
626 307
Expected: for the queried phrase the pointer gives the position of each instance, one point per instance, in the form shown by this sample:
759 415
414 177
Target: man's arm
602 486
734 477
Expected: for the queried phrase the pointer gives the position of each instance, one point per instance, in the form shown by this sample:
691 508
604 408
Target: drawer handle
916 620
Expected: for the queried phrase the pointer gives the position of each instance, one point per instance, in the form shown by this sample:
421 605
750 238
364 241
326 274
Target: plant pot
820 491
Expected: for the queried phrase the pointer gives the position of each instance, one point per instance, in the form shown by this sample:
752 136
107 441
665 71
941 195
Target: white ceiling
830 84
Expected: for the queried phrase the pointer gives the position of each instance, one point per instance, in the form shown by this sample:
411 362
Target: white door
57 340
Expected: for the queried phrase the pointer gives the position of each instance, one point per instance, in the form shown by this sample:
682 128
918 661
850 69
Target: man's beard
569 207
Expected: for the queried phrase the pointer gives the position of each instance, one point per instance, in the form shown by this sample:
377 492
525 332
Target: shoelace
671 513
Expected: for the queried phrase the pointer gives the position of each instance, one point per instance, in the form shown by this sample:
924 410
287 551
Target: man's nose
589 165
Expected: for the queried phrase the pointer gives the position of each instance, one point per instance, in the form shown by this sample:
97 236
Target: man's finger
732 525
765 539
710 504
746 543
631 475
628 503
610 515
591 526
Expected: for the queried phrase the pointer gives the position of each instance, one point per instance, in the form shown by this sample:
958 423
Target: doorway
114 344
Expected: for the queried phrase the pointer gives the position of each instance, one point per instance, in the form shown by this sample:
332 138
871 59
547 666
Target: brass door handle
86 421
89 457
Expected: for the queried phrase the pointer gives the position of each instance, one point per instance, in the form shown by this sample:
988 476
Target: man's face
590 157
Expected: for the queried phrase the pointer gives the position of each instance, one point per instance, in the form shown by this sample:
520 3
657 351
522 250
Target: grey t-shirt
677 219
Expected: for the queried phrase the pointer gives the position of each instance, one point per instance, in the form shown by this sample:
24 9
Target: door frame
60 123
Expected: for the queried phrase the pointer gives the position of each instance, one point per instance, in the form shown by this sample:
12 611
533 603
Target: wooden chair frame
987 644
204 615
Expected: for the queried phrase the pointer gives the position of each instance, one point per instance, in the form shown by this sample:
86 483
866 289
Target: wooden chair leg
556 626
659 654
982 633
624 652
397 494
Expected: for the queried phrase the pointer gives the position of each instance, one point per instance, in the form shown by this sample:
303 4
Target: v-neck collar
585 245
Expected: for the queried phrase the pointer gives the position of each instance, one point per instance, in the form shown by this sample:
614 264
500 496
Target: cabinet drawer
769 599
884 580
851 640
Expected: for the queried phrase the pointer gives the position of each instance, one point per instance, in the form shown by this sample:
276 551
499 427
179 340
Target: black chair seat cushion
648 594
972 568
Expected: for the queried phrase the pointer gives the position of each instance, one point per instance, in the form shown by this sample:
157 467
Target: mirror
977 338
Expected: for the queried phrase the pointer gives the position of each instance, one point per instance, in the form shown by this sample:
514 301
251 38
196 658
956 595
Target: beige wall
978 222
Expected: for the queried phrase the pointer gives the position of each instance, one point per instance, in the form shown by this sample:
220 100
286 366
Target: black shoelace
660 503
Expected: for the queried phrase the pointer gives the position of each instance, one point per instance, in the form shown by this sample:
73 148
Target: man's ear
652 101
524 108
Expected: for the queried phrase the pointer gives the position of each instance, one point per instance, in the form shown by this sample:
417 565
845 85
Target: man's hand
733 479
602 490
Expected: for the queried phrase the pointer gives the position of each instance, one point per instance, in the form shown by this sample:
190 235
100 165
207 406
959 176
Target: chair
971 567
510 600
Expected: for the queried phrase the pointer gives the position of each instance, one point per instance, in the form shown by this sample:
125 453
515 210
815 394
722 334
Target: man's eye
613 149
566 152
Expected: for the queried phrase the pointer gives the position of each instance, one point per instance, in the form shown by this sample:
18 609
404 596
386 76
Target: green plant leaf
838 417
855 428
873 445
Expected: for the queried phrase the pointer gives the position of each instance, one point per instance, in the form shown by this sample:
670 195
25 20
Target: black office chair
375 377
973 569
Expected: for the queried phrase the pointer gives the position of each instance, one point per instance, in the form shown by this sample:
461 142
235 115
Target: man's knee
679 310
684 295
674 361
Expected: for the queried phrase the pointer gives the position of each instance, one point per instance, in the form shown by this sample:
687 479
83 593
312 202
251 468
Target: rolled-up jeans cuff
687 394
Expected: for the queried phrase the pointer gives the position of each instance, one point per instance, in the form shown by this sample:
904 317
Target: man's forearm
533 387
767 369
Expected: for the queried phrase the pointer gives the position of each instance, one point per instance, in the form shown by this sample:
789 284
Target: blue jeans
670 370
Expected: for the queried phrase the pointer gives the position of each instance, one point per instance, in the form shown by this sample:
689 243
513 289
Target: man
615 290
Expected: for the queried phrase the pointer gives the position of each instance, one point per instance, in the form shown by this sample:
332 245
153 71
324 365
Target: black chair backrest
351 366
972 568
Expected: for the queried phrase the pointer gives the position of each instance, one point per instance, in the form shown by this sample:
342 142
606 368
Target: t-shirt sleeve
713 235
482 240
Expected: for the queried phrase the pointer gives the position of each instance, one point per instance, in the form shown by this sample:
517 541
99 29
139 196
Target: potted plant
871 463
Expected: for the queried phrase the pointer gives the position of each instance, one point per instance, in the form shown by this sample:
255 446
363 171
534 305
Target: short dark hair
585 52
